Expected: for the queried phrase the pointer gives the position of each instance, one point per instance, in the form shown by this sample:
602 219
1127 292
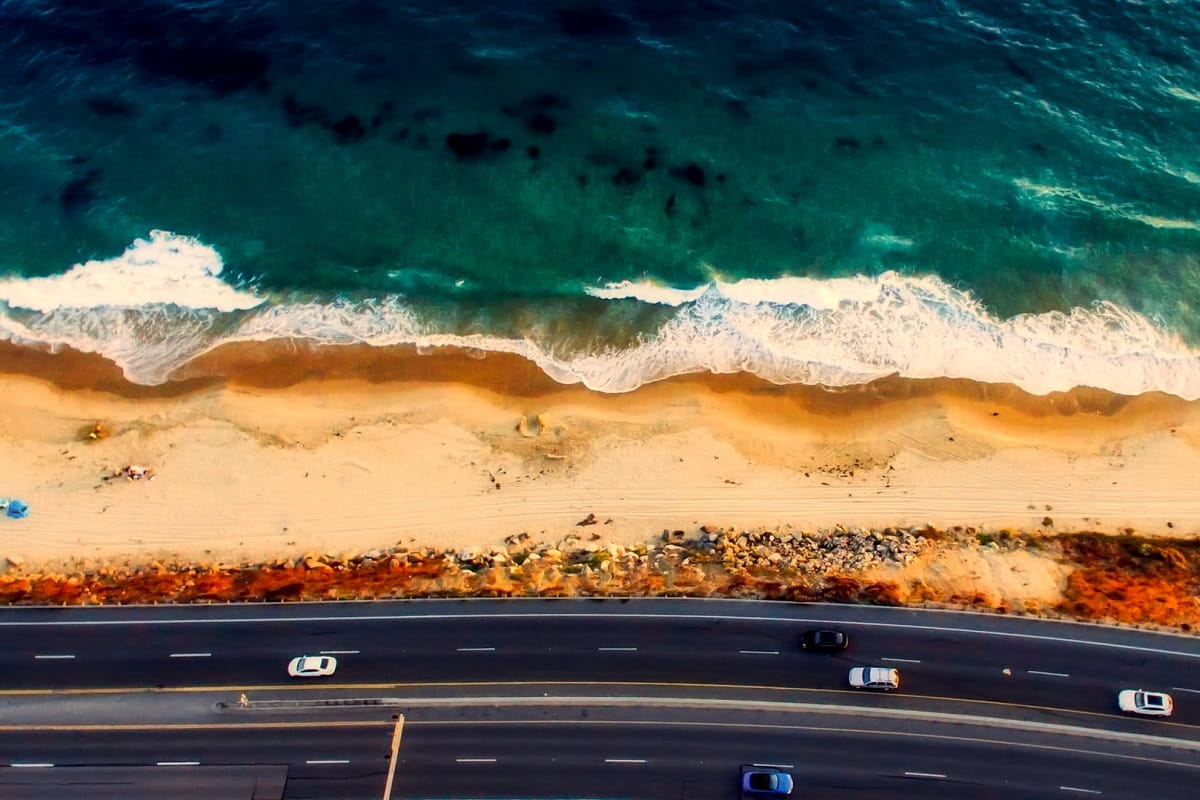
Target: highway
1050 665
444 656
540 759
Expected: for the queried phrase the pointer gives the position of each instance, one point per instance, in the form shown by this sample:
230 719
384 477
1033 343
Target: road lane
609 644
652 757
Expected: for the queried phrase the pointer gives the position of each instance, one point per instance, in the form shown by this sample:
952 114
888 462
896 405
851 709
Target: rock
348 130
468 145
15 561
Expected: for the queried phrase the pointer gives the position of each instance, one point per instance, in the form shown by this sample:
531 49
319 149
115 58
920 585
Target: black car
826 640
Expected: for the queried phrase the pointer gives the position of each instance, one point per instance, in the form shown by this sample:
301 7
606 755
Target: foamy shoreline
454 451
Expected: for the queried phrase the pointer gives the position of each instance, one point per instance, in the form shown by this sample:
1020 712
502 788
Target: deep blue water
813 191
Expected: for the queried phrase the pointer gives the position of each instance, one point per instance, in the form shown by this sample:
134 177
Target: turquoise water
815 192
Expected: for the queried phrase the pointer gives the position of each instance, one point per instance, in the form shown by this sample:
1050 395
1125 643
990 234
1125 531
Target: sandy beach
339 451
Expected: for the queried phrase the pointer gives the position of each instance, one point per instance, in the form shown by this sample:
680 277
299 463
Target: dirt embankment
1095 577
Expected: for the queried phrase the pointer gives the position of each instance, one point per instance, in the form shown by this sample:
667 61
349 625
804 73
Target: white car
312 666
883 678
1149 704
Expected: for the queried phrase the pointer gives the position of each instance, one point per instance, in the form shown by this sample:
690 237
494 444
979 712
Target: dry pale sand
341 466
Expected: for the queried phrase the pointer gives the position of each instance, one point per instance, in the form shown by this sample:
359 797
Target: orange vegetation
431 574
1133 580
1115 578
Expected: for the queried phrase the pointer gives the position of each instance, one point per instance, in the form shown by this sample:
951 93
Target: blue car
767 782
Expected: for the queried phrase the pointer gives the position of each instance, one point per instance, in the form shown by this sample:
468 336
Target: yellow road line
201 726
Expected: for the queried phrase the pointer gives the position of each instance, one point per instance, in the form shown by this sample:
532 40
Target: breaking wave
162 304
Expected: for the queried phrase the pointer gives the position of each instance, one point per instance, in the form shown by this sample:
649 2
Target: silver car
312 666
883 678
1148 704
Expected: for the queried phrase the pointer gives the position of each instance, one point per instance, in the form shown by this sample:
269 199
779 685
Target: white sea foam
166 269
647 292
1051 195
834 332
791 290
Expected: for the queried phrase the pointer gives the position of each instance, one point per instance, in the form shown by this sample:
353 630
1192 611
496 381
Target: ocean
811 191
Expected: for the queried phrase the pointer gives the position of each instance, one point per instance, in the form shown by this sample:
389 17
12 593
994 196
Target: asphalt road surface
949 662
647 759
938 654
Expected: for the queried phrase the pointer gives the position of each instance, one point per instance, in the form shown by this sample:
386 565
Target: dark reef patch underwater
812 191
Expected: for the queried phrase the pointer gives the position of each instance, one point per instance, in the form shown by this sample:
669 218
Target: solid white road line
54 657
476 760
191 655
903 660
775 766
36 764
476 649
1051 674
624 761
340 652
925 775
1181 689
759 652
327 761
617 649
1077 789
178 763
